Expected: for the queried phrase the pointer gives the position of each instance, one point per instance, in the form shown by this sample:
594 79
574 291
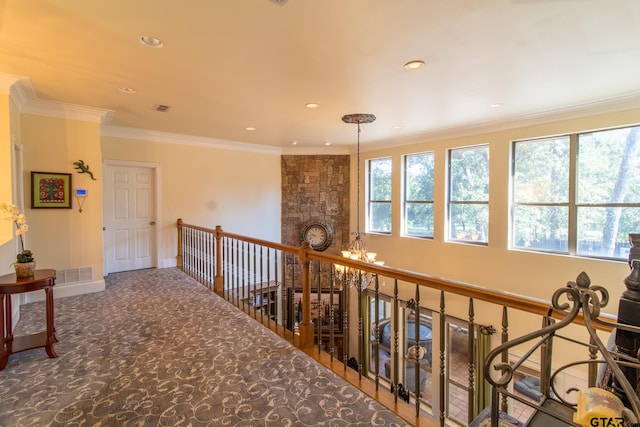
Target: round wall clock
318 235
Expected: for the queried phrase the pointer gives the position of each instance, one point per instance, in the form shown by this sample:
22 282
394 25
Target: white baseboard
168 263
68 290
15 314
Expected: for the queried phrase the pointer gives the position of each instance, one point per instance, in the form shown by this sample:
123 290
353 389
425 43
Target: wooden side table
9 285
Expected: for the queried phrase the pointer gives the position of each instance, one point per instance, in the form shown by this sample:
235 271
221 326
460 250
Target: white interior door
129 217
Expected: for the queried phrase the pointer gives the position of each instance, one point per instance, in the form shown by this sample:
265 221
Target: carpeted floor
158 349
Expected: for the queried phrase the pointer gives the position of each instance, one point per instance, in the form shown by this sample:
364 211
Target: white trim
169 263
24 95
15 310
7 81
22 91
66 111
316 151
157 172
72 289
175 138
612 105
200 141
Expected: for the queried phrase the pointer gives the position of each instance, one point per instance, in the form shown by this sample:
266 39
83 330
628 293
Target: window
577 194
379 196
541 194
469 194
418 195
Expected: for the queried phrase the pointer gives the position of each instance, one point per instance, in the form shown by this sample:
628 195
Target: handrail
273 245
494 296
238 277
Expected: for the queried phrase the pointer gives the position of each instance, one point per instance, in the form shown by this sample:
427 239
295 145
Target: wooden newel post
179 257
218 281
306 327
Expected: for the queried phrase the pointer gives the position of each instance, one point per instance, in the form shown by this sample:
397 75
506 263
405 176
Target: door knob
152 223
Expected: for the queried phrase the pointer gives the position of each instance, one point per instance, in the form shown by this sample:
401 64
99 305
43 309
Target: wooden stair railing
228 263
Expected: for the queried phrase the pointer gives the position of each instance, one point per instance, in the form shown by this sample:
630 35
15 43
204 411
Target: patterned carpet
158 349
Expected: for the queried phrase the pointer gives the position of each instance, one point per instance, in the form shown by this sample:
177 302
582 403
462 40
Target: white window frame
406 202
572 204
371 202
450 203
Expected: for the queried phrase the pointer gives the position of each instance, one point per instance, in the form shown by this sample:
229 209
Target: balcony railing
296 292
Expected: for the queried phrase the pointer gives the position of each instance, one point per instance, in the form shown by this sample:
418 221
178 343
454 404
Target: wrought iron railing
295 291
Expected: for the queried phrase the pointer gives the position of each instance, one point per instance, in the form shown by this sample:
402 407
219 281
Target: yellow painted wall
7 246
494 266
64 238
205 186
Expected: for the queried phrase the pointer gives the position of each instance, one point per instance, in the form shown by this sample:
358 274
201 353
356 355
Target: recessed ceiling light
327 143
496 105
151 41
397 127
125 89
311 105
294 142
414 65
250 128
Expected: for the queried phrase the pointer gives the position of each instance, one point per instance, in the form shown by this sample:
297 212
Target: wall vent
161 108
74 275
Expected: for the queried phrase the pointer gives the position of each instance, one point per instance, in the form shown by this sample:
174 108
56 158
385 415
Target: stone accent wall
315 188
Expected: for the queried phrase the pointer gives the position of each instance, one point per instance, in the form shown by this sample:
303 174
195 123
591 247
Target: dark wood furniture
9 285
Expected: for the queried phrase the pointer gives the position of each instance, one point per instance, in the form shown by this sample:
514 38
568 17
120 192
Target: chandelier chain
358 189
354 277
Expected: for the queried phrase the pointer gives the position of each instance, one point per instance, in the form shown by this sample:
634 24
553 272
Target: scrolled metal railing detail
589 294
543 333
568 302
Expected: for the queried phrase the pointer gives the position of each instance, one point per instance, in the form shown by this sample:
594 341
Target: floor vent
74 275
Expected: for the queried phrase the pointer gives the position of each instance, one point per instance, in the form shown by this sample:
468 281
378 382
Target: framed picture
320 311
50 190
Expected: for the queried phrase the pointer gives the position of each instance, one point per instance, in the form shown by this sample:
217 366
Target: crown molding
24 95
7 81
67 111
199 141
180 139
628 101
315 151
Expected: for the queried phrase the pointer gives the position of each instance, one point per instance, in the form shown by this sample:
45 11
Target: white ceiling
227 65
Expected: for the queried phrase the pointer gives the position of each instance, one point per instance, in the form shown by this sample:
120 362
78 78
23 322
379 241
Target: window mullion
573 190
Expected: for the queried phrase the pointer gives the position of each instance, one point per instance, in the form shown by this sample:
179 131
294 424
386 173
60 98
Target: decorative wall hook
82 168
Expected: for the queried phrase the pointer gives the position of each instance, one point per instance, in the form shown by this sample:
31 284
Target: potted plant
25 265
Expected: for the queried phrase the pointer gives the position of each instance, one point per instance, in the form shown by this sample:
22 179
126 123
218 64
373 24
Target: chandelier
357 250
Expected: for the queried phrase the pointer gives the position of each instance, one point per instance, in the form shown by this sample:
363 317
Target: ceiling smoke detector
161 108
